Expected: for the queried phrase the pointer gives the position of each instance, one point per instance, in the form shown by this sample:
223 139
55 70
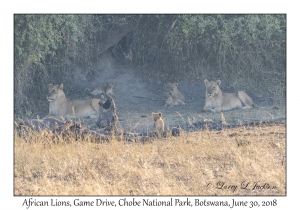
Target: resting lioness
60 107
176 94
216 101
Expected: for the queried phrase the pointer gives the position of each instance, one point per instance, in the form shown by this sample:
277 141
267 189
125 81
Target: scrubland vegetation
195 163
247 52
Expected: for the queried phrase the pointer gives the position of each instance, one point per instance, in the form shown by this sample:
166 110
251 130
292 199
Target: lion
216 101
60 107
107 89
158 123
176 94
170 101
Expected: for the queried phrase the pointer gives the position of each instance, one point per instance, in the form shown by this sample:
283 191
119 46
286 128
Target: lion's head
55 91
156 116
173 86
110 84
212 88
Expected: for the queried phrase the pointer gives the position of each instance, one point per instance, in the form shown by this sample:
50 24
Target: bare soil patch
138 95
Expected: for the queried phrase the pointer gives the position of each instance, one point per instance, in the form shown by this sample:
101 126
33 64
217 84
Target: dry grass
191 164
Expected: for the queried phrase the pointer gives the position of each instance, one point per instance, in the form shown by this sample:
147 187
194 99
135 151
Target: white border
8 201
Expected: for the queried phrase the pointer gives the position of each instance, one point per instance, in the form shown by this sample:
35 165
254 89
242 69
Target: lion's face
55 91
110 85
156 116
212 88
173 86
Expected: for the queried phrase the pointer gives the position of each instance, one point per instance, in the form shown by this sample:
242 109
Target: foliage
217 46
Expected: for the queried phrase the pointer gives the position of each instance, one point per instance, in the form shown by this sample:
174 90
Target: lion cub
170 101
107 89
216 101
158 123
176 94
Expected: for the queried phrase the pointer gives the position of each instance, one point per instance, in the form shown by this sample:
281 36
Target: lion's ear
218 82
176 84
205 81
159 114
61 86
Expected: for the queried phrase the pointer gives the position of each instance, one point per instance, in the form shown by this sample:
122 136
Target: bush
246 51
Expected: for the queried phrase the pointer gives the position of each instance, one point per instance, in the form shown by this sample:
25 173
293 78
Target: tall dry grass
196 163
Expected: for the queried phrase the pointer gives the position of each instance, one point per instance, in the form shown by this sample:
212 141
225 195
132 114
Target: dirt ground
138 95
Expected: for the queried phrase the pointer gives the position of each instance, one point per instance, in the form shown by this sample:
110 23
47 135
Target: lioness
216 101
60 107
176 94
158 123
107 89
